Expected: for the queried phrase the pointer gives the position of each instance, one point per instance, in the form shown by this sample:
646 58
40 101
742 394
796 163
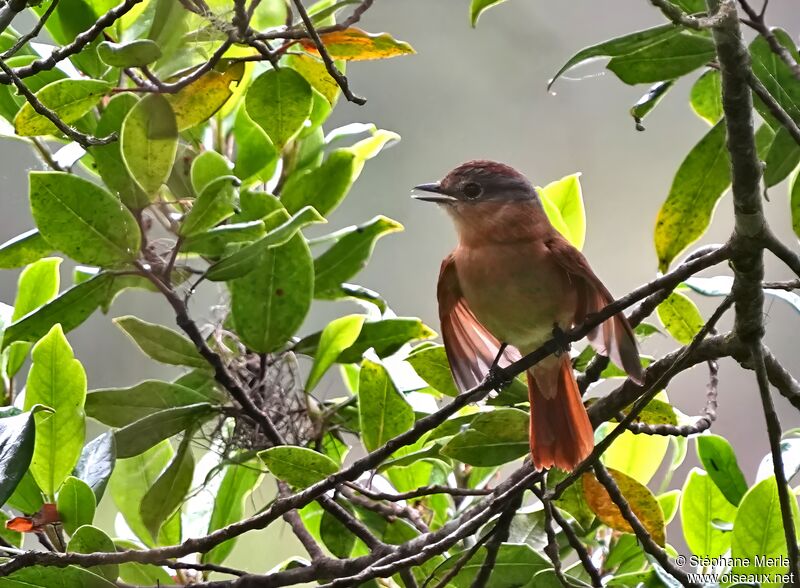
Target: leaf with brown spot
201 99
642 502
353 44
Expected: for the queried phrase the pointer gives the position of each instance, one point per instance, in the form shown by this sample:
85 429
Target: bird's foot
497 378
562 343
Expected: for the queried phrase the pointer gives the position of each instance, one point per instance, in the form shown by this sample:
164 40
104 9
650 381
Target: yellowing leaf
199 101
69 99
316 74
353 44
642 502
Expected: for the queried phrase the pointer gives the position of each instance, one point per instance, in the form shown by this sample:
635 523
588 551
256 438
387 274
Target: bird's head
477 182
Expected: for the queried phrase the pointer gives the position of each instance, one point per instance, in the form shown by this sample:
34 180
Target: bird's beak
431 193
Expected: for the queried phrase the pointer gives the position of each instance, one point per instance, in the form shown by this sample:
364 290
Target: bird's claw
497 378
562 343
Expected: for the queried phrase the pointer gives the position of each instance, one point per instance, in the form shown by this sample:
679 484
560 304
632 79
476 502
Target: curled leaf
353 44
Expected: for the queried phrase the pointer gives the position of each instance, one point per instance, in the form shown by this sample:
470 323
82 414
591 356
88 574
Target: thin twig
679 17
32 33
419 492
757 23
499 536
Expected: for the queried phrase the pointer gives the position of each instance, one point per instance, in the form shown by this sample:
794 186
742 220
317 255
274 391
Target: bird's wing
614 338
470 348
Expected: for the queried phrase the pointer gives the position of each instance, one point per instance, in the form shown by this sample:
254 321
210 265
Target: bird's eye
472 190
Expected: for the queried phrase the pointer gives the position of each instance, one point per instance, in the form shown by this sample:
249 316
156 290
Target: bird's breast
516 290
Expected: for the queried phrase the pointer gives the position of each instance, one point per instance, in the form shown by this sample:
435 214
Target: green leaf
270 303
515 566
76 504
141 435
706 97
299 467
641 501
23 249
200 100
563 203
340 334
782 158
529 529
776 76
316 74
279 101
667 59
324 187
349 255
383 412
161 343
335 536
132 54
118 407
251 256
215 203
69 309
167 493
493 438
477 7
97 462
83 220
649 101
131 480
141 574
719 460
108 158
12 538
16 450
795 204
69 99
27 496
655 412
50 577
431 365
217 241
669 501
680 317
10 100
207 167
255 153
573 499
758 530
702 503
699 183
88 539
638 456
239 481
56 380
149 141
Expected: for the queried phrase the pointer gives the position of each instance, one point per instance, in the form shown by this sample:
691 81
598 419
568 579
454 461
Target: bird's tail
560 432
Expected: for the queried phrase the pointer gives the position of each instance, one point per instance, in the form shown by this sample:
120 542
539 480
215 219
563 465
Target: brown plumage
511 279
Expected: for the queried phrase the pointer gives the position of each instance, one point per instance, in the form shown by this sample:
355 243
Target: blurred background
481 93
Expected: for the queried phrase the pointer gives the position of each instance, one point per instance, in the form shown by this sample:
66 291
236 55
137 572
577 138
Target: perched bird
511 281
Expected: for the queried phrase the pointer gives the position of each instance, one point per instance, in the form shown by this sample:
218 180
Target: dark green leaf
493 438
118 407
97 462
167 493
24 249
132 54
706 97
323 187
270 303
719 460
299 467
649 101
349 255
76 504
431 365
50 577
383 412
69 99
82 219
149 141
337 336
279 101
666 59
782 157
701 503
335 536
795 204
699 183
141 574
477 7
146 432
529 529
88 539
161 343
16 450
776 76
516 565
215 203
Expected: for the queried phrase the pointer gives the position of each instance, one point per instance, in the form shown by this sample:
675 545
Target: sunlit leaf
337 336
706 97
324 187
23 249
680 317
702 503
215 203
493 438
353 44
563 203
719 460
298 466
89 539
477 7
69 99
76 504
255 153
316 74
198 101
383 412
431 365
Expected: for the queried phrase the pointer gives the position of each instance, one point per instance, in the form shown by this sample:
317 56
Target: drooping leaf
70 99
299 467
642 502
89 539
82 219
680 317
324 187
431 365
132 54
215 203
700 181
161 343
167 493
349 255
383 412
16 450
563 203
477 7
201 99
97 462
353 44
149 141
667 59
118 407
56 380
493 438
23 249
215 242
237 484
337 336
782 158
143 434
648 102
255 153
719 460
76 504
758 535
702 503
280 102
706 97
270 303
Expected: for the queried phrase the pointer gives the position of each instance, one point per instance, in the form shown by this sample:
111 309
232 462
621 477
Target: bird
512 282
